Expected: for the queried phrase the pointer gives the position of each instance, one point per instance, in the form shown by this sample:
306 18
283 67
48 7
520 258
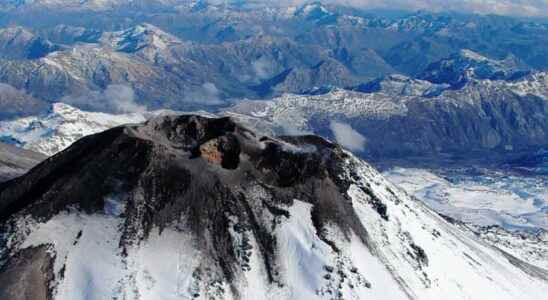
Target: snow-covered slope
530 247
59 127
191 207
505 209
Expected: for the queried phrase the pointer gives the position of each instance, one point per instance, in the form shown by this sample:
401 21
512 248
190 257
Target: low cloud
263 68
116 98
206 94
347 136
8 90
290 129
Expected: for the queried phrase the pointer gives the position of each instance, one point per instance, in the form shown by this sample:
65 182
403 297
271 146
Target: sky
532 8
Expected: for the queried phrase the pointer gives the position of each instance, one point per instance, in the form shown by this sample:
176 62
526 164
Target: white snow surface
454 264
505 210
62 125
512 202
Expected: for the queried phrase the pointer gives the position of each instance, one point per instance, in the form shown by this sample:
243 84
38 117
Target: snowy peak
64 110
314 11
138 38
467 64
145 40
204 207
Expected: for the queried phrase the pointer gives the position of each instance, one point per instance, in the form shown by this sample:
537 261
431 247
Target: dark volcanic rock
202 169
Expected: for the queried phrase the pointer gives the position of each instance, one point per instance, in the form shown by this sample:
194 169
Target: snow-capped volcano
193 207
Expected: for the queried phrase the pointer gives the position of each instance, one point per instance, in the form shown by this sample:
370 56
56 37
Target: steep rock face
187 206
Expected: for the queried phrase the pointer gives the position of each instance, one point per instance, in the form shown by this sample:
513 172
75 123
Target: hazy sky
534 8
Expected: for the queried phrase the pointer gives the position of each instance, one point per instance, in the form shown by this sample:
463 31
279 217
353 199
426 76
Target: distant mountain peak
138 37
401 85
314 11
466 64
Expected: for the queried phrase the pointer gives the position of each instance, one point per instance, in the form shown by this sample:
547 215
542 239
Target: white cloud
290 129
122 99
116 98
347 136
8 89
263 68
206 94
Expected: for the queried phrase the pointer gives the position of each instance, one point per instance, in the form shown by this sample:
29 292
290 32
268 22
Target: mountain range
215 52
496 103
398 116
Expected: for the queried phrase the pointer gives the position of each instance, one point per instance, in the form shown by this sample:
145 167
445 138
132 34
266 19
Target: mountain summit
465 65
194 207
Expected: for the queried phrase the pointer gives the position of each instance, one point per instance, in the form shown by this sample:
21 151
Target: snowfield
495 198
504 209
